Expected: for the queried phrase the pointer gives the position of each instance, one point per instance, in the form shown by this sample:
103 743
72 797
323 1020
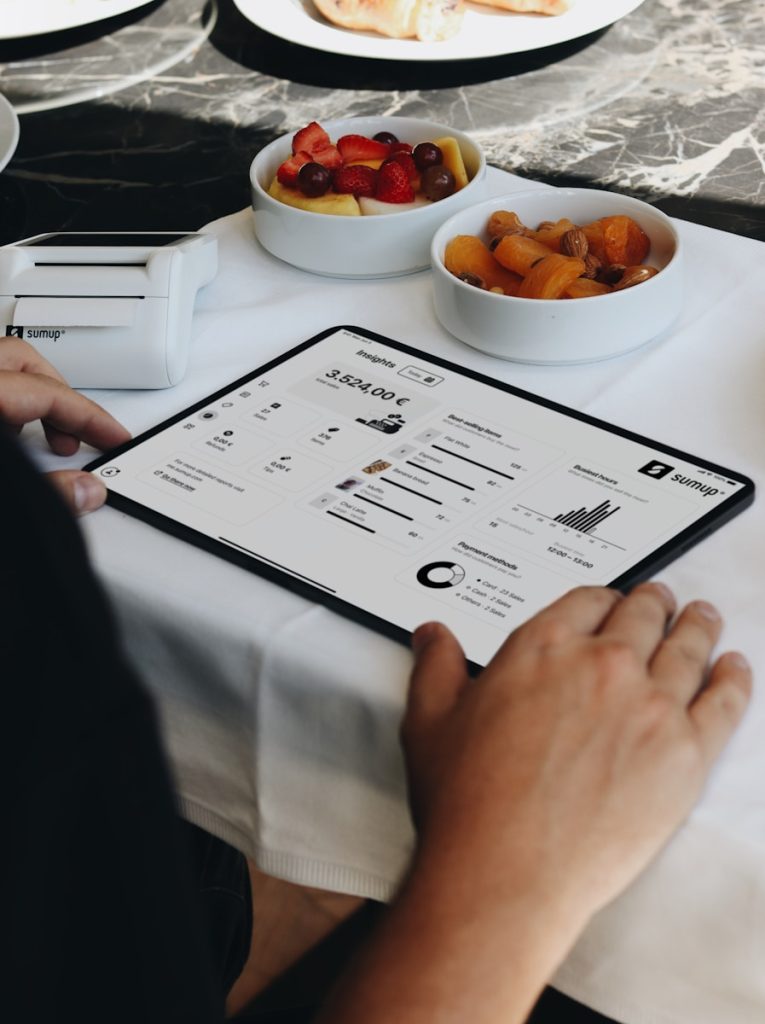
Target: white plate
485 32
9 131
23 18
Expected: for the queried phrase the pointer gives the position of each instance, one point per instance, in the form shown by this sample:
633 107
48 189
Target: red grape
437 183
427 154
313 179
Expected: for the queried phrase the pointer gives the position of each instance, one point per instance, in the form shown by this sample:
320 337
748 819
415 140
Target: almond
633 276
574 243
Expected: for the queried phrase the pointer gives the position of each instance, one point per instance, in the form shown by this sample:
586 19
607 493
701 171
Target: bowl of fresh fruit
558 275
363 197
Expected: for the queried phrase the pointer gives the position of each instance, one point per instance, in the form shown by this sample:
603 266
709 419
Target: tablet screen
400 488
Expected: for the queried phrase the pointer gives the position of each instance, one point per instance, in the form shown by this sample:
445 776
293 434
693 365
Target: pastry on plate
426 20
529 6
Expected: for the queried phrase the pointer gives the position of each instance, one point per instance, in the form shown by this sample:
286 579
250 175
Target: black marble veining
667 104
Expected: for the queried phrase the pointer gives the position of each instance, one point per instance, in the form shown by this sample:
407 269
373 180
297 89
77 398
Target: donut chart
440 575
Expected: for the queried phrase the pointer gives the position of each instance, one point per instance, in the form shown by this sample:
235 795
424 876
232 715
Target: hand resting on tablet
540 790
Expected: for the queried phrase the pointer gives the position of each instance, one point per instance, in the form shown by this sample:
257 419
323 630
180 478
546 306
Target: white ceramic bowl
385 245
561 330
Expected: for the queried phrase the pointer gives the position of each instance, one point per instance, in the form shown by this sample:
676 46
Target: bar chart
585 520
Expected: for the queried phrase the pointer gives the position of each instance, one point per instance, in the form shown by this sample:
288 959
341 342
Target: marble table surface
667 105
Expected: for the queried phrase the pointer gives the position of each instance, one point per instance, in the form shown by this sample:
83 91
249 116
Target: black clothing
100 910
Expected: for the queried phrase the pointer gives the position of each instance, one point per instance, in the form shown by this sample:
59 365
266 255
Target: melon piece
342 205
453 161
371 207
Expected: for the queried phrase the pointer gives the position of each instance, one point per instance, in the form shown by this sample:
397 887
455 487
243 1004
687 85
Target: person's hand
568 763
31 389
540 789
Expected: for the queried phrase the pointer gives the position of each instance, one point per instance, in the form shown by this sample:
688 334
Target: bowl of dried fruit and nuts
362 197
557 275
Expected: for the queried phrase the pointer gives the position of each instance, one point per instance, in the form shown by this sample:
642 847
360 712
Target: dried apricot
558 260
504 222
584 288
519 254
550 278
594 234
624 241
550 234
467 254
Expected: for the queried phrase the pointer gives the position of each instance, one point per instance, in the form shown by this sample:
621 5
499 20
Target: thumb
439 674
81 491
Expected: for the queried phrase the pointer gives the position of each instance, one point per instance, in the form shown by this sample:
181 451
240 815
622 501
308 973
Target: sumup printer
108 310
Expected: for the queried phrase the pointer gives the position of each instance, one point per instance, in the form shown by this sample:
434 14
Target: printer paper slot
63 311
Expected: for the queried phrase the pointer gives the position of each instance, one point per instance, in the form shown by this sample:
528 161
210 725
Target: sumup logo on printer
43 333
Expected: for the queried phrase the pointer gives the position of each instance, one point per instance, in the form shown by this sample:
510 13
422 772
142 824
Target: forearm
454 947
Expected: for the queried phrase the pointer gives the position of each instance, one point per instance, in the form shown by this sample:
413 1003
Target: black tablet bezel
642 570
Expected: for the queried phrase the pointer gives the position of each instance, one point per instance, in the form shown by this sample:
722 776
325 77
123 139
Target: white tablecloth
281 717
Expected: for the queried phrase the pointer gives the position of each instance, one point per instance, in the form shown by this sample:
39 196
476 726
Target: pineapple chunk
374 164
341 205
453 160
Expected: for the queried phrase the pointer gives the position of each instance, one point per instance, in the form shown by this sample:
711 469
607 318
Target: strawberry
393 185
401 147
355 148
358 180
328 156
407 162
310 138
288 171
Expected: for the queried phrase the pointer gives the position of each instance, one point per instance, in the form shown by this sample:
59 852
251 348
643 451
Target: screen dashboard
400 488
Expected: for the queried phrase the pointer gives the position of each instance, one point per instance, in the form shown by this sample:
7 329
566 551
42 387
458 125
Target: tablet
397 488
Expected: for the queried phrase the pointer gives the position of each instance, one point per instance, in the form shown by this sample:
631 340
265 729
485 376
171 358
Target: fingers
579 612
439 672
81 491
680 662
720 706
640 620
66 414
60 443
21 357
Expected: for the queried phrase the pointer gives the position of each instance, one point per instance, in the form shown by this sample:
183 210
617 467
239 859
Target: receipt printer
107 310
